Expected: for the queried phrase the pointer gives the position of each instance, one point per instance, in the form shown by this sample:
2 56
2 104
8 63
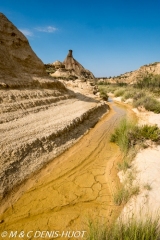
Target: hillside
39 117
133 76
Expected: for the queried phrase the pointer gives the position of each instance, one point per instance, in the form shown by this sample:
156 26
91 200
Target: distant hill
133 76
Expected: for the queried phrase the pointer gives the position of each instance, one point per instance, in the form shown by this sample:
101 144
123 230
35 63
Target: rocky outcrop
69 69
58 64
73 74
72 64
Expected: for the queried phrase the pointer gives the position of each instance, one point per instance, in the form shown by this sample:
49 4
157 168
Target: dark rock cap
72 64
70 53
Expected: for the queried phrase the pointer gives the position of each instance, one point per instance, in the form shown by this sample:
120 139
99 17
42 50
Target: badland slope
18 63
39 116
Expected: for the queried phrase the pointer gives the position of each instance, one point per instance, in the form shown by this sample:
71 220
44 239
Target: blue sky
107 37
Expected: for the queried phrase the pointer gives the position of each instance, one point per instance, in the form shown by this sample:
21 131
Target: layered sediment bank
75 186
38 128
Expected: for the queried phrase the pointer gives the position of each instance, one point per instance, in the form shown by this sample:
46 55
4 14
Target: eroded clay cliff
39 116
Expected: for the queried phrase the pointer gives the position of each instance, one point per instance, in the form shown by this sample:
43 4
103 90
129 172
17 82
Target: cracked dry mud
75 186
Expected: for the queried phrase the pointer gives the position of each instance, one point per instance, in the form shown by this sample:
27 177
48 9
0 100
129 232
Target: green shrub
150 103
103 83
103 94
139 94
128 134
146 132
119 92
150 82
128 95
107 88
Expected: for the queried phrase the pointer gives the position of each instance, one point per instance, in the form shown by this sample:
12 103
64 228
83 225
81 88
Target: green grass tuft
120 136
124 194
132 230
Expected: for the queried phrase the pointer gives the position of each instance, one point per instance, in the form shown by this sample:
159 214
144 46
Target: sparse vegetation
121 84
127 159
150 82
149 103
128 134
103 83
130 137
103 94
121 135
119 92
129 93
148 187
123 194
96 230
143 93
107 88
132 230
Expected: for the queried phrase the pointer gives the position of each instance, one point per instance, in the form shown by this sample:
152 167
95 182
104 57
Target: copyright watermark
43 234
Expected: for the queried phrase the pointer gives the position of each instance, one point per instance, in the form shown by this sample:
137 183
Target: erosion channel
76 186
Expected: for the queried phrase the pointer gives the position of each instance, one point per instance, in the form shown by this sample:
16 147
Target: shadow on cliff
82 97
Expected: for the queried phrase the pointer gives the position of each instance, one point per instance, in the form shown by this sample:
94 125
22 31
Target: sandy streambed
77 184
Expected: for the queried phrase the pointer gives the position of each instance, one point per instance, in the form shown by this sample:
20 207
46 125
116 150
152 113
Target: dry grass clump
143 93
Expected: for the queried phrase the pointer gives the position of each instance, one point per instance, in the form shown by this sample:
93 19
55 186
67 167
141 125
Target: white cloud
26 32
48 29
